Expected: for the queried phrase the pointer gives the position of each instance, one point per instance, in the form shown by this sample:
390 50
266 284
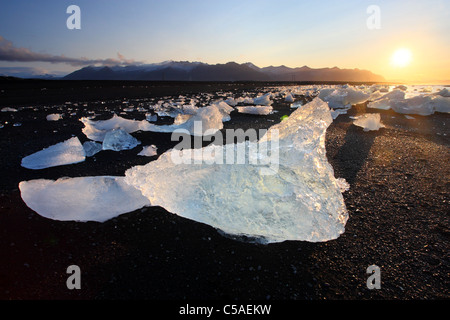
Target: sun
401 58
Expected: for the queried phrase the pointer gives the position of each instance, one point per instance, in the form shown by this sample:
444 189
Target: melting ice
300 200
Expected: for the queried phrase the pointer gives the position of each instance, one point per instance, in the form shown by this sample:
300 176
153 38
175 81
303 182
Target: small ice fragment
259 110
369 122
63 153
8 109
118 140
54 117
409 117
149 151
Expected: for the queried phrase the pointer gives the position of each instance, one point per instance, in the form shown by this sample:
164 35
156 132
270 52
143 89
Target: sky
34 36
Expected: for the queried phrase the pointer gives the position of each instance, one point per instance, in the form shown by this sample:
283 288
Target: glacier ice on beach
118 140
300 200
149 151
96 130
82 199
63 153
385 101
420 104
207 120
369 121
343 97
259 110
294 196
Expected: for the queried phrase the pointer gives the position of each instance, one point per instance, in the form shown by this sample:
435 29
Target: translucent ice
91 148
96 130
342 97
81 199
63 153
369 121
206 120
300 200
118 140
385 102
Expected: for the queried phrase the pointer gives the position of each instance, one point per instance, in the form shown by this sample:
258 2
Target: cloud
8 52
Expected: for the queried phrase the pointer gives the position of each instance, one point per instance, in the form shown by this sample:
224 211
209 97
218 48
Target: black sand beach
398 206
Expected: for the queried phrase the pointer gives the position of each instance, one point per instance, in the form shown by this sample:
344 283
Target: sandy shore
398 205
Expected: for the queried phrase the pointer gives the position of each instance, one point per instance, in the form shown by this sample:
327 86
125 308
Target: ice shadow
353 154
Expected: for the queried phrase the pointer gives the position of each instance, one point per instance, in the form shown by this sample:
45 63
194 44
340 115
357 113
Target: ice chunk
422 105
149 151
54 117
91 148
385 101
181 118
289 98
263 100
96 130
300 200
260 110
151 118
401 87
63 153
9 109
207 120
341 98
224 109
82 199
444 92
296 104
369 121
336 113
118 140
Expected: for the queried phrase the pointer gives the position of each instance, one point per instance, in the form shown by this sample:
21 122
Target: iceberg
118 140
369 121
300 200
81 199
63 153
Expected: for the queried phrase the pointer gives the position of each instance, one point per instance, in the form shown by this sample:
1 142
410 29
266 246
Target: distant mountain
231 71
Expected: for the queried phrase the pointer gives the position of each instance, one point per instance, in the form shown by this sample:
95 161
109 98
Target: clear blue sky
265 32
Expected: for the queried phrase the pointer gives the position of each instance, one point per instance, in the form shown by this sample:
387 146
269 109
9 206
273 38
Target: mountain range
231 71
